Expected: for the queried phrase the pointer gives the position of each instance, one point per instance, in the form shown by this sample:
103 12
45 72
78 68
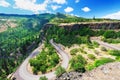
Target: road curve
106 44
23 74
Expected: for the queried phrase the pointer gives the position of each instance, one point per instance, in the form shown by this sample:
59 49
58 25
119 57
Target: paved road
106 44
23 74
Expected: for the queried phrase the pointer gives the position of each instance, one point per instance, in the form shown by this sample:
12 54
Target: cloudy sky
83 8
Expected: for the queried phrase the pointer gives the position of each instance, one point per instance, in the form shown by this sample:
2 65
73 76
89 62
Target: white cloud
4 3
113 15
77 1
59 1
86 9
55 7
31 5
68 9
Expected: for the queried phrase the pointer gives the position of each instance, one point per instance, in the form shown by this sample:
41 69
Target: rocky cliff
92 25
110 71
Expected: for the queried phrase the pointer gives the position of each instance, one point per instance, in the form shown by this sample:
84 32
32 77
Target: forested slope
17 42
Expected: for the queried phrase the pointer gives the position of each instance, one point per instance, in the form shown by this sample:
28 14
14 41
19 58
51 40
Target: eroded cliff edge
92 25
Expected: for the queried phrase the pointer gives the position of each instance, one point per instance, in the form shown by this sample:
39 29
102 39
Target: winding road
105 44
23 74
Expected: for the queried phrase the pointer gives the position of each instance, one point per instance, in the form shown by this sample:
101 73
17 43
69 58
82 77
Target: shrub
81 50
103 49
102 61
73 51
59 71
90 46
43 78
35 71
110 40
110 34
96 52
91 56
118 58
114 52
95 44
89 67
78 63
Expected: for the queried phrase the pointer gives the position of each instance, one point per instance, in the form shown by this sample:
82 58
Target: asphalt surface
107 45
22 72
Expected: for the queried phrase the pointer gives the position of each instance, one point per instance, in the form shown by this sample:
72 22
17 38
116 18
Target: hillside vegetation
20 34
17 42
93 55
45 60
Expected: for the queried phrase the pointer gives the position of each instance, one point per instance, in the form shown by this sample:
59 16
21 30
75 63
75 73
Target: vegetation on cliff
16 42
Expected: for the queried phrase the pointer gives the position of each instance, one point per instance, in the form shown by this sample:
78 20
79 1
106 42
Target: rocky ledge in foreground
110 71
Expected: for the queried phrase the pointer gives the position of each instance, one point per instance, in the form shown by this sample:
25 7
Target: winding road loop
23 74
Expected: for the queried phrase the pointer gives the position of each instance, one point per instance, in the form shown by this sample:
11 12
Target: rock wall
92 25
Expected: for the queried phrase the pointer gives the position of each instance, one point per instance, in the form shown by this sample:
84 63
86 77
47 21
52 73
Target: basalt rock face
92 25
46 26
110 71
70 76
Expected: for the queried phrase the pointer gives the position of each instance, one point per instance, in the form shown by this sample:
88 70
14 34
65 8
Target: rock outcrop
92 25
110 71
70 76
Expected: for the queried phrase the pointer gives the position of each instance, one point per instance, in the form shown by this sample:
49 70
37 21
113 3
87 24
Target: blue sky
83 8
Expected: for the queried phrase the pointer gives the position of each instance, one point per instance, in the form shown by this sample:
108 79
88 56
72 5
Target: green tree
43 78
78 63
73 51
59 71
110 34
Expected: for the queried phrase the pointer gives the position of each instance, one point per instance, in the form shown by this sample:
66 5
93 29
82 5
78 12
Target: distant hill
65 18
16 15
29 21
26 16
12 20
